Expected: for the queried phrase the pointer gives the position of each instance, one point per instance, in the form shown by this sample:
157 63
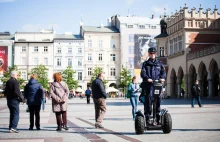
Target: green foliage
125 78
42 76
96 71
68 77
183 84
7 74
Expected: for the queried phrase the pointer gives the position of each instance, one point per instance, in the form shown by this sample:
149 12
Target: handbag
128 94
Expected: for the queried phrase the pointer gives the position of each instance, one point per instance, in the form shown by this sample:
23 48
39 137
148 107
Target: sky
65 15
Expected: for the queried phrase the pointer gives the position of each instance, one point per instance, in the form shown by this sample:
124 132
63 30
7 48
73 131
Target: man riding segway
152 70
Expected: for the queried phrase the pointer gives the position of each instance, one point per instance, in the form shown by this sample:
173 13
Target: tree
96 71
42 76
68 77
125 78
6 76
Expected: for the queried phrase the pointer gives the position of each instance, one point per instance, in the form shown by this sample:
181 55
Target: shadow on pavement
195 130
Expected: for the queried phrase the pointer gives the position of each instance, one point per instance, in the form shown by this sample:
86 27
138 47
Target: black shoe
65 127
38 128
58 129
31 128
98 125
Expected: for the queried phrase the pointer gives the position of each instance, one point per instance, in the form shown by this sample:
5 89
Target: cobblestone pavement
189 124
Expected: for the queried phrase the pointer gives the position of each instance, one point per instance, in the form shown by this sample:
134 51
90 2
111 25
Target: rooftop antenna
164 12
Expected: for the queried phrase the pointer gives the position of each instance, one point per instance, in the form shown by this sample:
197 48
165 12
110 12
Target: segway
165 122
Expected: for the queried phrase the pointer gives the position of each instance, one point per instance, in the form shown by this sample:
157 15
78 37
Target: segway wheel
139 125
167 127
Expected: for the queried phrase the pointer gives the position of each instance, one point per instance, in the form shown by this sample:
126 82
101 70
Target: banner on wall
142 43
3 59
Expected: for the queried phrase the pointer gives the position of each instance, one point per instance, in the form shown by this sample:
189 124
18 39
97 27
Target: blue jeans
13 106
134 104
198 100
43 103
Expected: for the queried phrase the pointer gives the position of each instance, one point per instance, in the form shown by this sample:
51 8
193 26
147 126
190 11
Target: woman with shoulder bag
59 93
134 90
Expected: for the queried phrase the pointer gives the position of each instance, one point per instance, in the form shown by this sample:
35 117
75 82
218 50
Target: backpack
128 94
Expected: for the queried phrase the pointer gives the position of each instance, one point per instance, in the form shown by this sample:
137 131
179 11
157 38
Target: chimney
153 16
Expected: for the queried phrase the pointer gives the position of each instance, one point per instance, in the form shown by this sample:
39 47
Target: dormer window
141 26
130 26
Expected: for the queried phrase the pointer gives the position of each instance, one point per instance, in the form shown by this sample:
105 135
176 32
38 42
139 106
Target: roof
162 35
7 37
139 20
104 29
68 37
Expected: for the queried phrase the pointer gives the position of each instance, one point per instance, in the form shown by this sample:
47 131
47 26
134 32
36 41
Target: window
79 75
89 43
23 60
175 45
69 49
100 43
45 49
59 50
153 27
141 26
131 49
171 47
24 75
162 52
100 57
113 43
113 58
80 62
131 37
130 26
80 50
130 62
35 61
112 72
132 72
23 49
70 62
58 61
89 71
45 61
89 57
35 48
180 43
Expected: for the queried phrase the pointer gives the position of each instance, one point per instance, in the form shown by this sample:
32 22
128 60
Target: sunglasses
152 53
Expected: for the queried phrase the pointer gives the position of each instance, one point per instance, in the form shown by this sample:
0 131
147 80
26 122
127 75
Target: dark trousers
198 100
88 99
148 104
13 106
100 109
62 121
34 111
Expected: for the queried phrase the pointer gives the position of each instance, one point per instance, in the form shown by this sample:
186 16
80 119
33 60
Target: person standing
13 95
88 95
33 91
134 89
99 96
44 100
59 92
196 93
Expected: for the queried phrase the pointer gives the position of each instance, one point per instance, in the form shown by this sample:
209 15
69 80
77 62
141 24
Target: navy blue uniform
151 69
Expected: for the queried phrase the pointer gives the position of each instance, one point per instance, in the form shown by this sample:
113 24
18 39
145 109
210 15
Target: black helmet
152 49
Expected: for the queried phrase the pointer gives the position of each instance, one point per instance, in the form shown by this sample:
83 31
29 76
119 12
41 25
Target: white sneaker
13 131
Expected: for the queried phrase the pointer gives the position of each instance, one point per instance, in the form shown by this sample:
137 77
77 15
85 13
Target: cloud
160 10
37 27
130 2
4 1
